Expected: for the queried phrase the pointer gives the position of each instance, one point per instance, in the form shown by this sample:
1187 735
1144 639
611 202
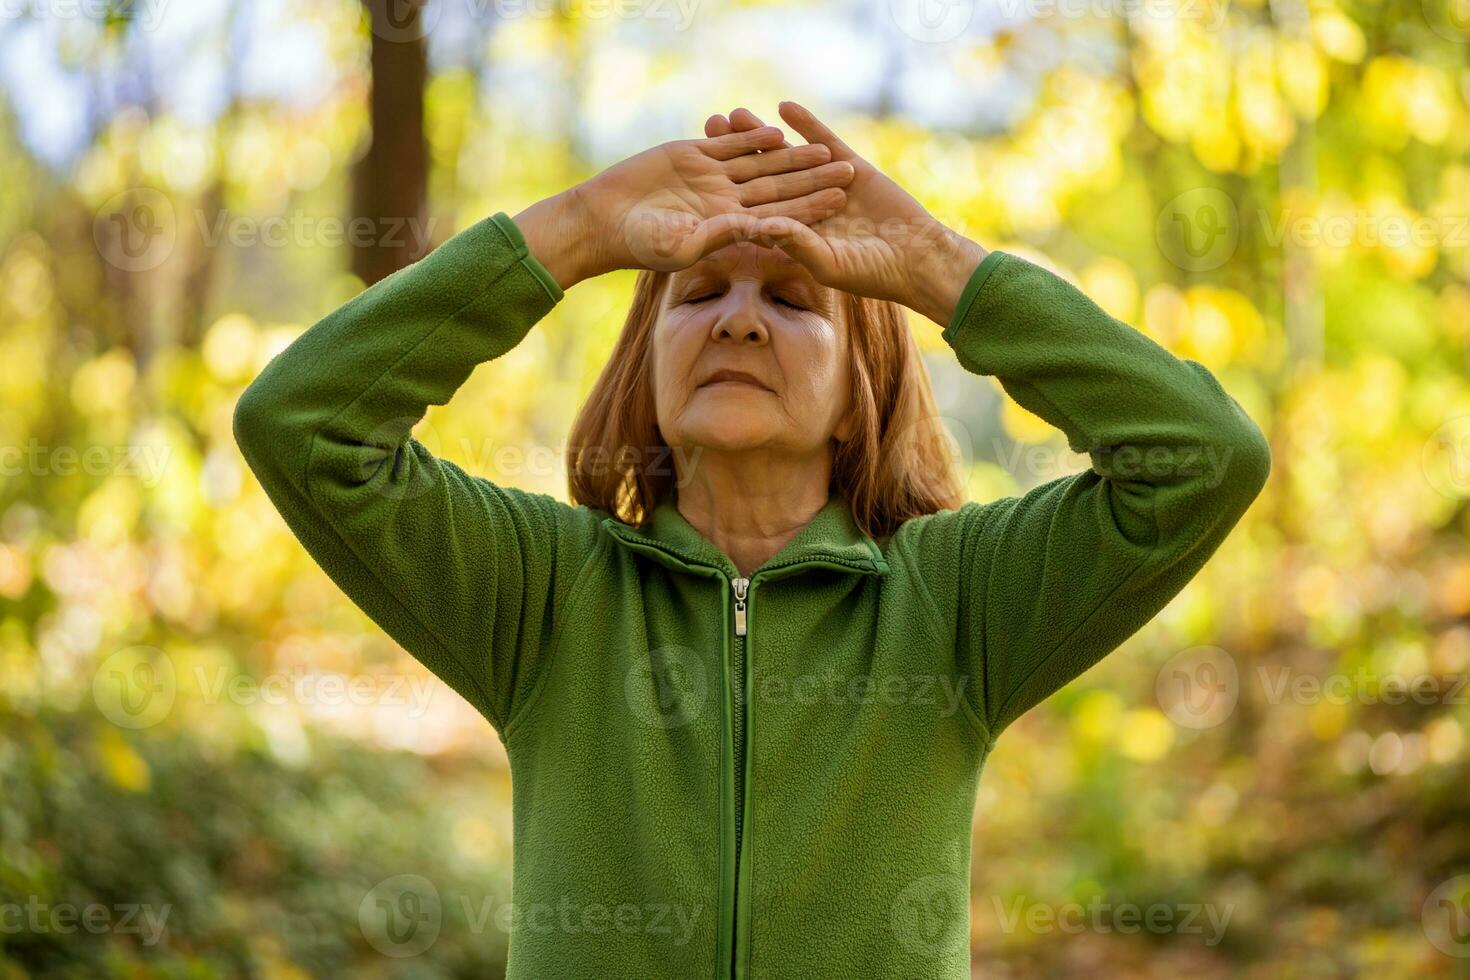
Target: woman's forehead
749 258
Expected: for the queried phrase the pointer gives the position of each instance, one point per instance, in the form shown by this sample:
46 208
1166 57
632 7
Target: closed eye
706 297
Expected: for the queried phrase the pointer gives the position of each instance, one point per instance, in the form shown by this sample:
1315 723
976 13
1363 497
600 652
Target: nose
738 319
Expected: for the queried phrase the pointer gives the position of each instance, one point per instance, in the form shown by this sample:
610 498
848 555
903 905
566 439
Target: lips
734 377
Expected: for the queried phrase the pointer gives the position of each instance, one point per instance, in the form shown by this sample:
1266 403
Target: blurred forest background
213 765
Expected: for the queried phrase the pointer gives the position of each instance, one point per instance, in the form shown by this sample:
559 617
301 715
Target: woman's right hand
671 205
885 244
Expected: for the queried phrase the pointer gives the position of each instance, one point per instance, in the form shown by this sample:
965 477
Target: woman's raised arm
463 573
469 576
1037 588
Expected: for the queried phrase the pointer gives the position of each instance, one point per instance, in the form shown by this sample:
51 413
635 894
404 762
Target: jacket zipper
735 964
740 657
740 586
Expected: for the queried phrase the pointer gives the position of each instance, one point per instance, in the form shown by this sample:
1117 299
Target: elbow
1254 453
262 430
1238 455
1263 451
270 444
1243 464
250 422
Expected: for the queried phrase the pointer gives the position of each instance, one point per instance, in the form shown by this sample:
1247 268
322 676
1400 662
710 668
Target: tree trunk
390 183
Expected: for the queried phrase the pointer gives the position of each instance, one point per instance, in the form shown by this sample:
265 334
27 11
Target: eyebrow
787 272
822 299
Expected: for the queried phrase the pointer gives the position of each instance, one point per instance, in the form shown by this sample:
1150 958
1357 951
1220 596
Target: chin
727 431
727 438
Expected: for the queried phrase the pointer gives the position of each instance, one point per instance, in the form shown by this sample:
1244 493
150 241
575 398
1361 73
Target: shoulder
932 535
572 530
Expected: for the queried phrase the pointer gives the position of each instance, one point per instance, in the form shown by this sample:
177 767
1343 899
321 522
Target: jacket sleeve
469 577
1039 587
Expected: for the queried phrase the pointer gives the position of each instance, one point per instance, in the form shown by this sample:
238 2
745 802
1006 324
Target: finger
742 119
736 144
787 186
717 125
813 207
813 131
798 241
715 233
754 165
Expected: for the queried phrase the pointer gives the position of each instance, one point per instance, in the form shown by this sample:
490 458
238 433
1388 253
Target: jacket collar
830 539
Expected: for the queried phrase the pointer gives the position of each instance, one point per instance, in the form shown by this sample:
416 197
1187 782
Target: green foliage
225 865
1317 822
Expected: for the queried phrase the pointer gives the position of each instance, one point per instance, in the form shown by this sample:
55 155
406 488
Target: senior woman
748 680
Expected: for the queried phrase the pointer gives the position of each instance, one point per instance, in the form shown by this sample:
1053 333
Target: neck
750 504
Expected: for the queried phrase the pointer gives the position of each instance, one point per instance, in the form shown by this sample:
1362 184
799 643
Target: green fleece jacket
715 777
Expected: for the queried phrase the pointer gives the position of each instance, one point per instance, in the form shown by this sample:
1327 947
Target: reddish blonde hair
897 463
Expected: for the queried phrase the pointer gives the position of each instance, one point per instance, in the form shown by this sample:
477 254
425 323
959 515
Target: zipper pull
740 585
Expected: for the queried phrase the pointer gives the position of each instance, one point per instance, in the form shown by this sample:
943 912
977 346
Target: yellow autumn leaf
123 766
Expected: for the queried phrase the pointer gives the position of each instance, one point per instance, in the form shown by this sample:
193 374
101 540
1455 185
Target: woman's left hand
883 243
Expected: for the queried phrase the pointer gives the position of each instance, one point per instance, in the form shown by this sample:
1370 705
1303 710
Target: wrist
943 268
558 235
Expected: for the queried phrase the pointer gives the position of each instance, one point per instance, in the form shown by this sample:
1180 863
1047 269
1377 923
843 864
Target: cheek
674 348
815 366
